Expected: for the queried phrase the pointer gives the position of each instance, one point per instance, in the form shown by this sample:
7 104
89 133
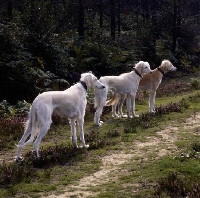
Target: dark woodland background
46 44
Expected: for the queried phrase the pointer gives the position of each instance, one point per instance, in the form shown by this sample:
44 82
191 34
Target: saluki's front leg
73 131
133 105
128 105
97 116
81 131
152 96
100 100
43 130
99 111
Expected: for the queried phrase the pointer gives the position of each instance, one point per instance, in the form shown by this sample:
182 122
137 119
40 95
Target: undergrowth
175 185
147 120
24 171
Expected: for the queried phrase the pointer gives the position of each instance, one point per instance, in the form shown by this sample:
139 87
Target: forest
46 45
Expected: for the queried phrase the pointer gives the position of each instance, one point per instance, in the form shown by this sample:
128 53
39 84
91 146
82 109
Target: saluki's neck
84 85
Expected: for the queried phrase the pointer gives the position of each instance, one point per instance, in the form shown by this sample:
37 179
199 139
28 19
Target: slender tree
174 37
81 20
112 17
118 17
9 9
101 14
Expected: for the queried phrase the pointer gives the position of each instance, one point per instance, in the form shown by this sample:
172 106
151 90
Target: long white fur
126 83
149 82
70 103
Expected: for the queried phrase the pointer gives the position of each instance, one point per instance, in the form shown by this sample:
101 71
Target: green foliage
8 111
99 58
12 120
195 83
23 66
32 43
162 49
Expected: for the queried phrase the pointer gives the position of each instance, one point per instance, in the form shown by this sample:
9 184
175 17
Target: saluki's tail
31 127
113 100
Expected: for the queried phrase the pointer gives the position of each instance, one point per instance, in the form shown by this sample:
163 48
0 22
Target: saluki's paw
18 159
84 146
100 123
136 116
124 116
115 116
36 154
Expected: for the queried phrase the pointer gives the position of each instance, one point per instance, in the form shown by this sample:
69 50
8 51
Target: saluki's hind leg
120 105
21 142
114 111
81 131
152 96
73 131
43 130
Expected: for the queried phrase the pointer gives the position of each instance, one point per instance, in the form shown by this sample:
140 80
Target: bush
11 130
175 186
195 83
14 173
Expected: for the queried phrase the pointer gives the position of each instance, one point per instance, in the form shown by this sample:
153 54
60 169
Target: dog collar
136 71
160 70
83 84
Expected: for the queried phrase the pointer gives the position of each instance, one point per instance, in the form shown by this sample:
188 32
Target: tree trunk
112 17
154 22
81 20
101 15
9 9
174 37
32 21
118 18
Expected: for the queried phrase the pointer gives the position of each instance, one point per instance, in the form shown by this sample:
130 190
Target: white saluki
126 83
70 103
149 82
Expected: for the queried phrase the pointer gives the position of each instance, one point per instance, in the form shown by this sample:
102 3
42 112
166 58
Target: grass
141 176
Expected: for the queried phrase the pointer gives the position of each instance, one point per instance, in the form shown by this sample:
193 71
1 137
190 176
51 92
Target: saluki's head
91 80
143 67
166 66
